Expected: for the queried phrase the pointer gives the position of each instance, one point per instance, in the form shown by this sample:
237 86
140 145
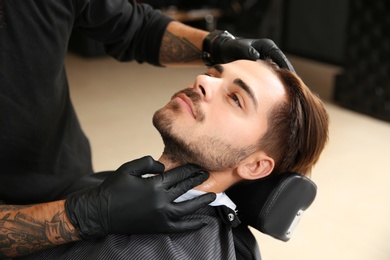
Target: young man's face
218 120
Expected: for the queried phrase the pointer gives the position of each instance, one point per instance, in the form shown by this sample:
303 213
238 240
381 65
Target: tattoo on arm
177 50
21 234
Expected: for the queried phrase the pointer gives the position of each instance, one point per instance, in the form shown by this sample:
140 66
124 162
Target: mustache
190 93
195 98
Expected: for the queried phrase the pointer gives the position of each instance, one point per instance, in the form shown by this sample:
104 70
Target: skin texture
218 120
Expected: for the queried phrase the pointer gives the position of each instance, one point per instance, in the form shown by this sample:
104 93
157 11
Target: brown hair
297 128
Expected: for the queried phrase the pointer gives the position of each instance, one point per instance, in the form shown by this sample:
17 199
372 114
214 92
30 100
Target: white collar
222 198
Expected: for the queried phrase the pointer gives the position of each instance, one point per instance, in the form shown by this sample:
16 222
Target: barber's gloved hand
222 47
126 203
268 49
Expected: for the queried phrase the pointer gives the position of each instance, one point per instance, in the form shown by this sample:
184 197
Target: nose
207 86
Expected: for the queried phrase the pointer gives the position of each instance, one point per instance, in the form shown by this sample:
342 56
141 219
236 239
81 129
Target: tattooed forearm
175 49
58 231
6 208
22 233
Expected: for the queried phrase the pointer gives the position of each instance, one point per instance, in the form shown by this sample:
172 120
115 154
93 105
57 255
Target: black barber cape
43 149
217 240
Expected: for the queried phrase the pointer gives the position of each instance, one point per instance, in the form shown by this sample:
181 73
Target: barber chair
276 203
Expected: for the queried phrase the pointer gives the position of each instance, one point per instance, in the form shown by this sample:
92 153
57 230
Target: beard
209 152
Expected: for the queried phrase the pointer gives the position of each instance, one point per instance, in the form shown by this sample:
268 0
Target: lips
186 103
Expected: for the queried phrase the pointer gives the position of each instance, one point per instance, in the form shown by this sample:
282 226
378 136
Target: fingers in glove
179 174
182 187
268 48
248 52
253 53
142 166
236 50
181 209
279 58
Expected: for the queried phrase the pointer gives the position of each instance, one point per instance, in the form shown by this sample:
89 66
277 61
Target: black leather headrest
274 205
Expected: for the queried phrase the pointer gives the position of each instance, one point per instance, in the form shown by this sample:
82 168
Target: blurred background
340 48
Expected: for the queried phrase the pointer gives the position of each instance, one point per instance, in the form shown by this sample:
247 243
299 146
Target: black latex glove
268 49
222 47
126 203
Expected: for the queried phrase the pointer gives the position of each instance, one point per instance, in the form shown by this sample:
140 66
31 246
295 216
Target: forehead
250 69
258 76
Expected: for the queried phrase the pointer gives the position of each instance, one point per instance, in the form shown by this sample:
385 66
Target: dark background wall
316 29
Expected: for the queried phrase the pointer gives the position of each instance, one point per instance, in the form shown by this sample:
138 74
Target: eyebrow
239 82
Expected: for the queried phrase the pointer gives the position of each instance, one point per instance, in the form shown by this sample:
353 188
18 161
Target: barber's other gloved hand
126 203
268 49
222 47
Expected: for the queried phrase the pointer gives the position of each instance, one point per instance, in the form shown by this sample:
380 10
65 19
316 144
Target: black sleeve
128 30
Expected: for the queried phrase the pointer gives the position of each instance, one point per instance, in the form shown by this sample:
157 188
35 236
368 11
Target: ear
255 166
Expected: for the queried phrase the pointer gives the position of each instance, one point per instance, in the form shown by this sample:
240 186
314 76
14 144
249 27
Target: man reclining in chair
240 121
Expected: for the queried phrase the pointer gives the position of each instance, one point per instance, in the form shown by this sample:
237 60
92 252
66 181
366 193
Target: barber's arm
124 203
30 228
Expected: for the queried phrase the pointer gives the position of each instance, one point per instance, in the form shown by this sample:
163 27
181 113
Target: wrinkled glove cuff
84 217
213 40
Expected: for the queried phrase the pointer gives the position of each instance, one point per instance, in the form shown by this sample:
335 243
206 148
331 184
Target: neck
218 182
